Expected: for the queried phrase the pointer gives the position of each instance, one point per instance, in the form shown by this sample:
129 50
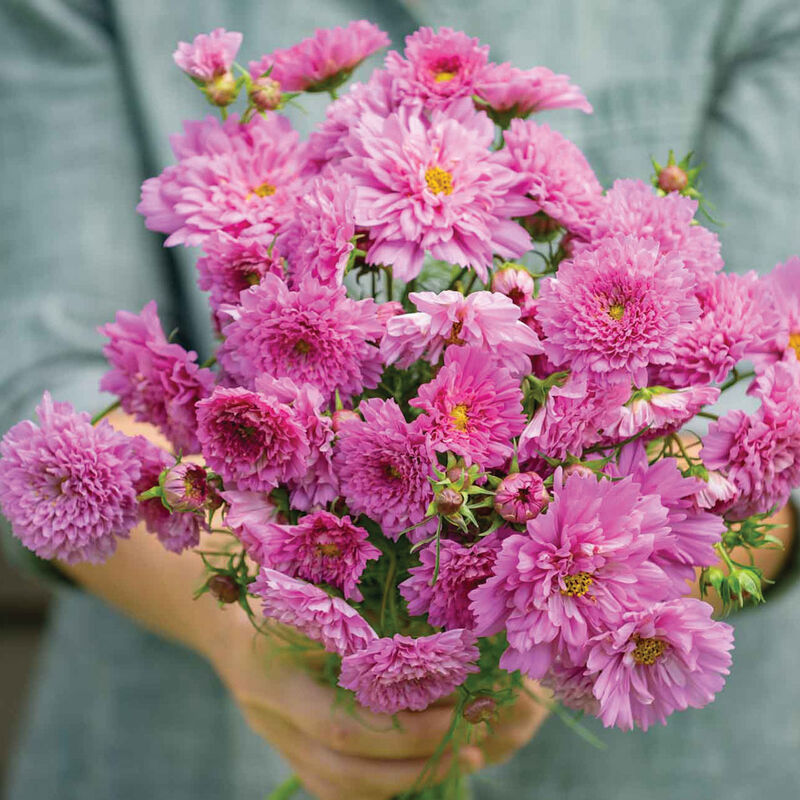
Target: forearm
150 584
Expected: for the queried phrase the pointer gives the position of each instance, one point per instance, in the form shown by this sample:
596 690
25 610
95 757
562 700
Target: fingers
311 708
331 775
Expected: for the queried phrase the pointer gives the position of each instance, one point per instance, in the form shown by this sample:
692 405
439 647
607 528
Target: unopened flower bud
340 416
221 90
215 486
265 94
515 282
672 179
520 496
481 709
541 227
224 588
186 487
578 469
448 501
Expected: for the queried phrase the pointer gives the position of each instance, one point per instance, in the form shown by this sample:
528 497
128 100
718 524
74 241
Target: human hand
339 755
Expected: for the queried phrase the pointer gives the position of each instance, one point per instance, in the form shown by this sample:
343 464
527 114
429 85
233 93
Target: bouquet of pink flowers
444 432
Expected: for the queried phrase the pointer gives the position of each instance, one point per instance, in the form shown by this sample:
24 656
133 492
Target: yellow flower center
302 346
455 334
648 651
616 311
444 76
577 585
460 417
439 180
794 343
252 278
329 549
265 190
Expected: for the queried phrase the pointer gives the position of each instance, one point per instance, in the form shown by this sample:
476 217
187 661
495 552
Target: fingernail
471 758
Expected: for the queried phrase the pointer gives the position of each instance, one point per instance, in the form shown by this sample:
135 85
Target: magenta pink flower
398 674
328 620
507 92
321 548
186 487
314 335
616 309
515 282
632 208
323 61
737 321
520 497
578 568
432 184
319 484
328 144
760 453
557 176
663 410
473 408
574 417
209 55
176 530
692 534
68 487
784 283
438 66
228 177
485 320
156 381
383 464
232 264
319 240
250 439
250 516
667 658
462 568
716 492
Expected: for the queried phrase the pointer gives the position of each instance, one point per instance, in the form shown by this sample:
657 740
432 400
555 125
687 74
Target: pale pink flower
209 55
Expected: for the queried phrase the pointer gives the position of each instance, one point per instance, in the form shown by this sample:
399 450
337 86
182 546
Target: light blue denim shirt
89 96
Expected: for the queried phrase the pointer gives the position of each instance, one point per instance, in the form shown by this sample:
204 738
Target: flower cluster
446 421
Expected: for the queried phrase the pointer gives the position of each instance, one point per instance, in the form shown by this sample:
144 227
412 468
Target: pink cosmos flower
68 488
232 264
462 568
632 208
328 143
250 439
250 516
319 484
511 92
616 309
557 175
663 410
228 177
737 321
438 67
325 619
520 497
319 240
314 335
692 534
760 453
472 408
667 658
323 61
717 492
186 487
156 381
515 282
580 566
391 675
573 418
432 184
176 531
209 55
485 320
321 548
383 464
784 284
571 686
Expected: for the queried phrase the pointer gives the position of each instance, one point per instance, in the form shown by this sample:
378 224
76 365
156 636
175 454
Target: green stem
457 278
735 378
106 411
223 112
388 586
210 361
707 415
471 283
286 789
388 284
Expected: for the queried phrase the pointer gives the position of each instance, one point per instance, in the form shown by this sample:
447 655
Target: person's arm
337 755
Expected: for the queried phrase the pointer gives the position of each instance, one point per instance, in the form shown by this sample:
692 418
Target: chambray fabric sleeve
72 248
